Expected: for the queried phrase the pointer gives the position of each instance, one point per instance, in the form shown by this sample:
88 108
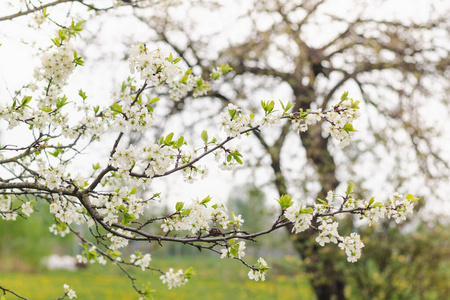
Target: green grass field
214 279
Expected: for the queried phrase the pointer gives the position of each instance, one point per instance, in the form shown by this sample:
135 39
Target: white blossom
174 279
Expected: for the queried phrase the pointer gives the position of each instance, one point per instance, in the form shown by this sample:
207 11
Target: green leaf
60 102
25 100
82 94
355 104
186 76
206 200
62 35
205 136
411 198
57 42
116 108
232 113
378 204
236 155
372 199
153 100
349 128
200 83
285 201
78 60
214 76
271 106
225 68
180 142
349 190
307 210
127 218
147 292
168 138
179 206
133 190
268 106
325 203
287 107
57 152
61 226
344 96
189 272
114 253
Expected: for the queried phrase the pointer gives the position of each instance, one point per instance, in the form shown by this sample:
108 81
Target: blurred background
392 55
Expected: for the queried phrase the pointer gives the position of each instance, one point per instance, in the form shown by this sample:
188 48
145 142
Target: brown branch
37 8
5 290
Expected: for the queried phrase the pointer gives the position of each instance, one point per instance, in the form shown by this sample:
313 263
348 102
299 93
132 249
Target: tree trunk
326 279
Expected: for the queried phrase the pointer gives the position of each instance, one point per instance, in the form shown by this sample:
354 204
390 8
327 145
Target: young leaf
127 218
225 68
179 206
116 108
411 198
205 136
349 188
206 200
349 128
180 142
153 100
285 201
82 94
25 100
232 113
307 210
168 138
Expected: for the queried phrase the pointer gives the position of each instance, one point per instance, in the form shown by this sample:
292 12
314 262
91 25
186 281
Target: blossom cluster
177 279
69 292
234 121
300 217
352 246
56 67
398 207
66 211
340 117
155 68
141 260
197 217
90 255
233 249
5 209
259 273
